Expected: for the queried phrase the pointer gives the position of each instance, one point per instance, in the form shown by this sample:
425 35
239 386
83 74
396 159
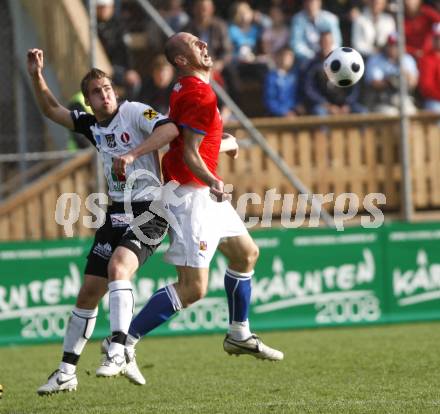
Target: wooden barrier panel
356 153
30 214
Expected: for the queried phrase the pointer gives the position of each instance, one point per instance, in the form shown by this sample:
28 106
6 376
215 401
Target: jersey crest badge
177 87
150 114
111 142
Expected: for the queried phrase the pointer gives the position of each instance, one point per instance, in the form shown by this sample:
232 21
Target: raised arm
47 102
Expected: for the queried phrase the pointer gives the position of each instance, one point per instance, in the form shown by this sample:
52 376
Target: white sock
115 349
131 341
130 344
67 368
79 329
121 302
239 330
121 305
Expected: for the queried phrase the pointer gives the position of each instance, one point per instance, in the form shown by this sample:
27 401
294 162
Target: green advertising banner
304 278
413 271
317 277
39 282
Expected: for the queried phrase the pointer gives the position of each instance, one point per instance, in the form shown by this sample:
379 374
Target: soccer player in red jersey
204 224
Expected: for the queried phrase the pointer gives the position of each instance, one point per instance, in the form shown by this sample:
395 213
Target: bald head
188 54
175 46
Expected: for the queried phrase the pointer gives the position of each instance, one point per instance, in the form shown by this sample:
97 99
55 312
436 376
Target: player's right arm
47 102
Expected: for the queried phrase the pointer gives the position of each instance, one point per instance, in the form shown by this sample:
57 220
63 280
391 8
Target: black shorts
117 232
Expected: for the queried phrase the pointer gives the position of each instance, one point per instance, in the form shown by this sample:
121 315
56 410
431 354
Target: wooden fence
30 214
356 153
353 153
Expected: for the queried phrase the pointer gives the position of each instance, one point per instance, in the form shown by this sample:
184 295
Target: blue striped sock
162 305
238 290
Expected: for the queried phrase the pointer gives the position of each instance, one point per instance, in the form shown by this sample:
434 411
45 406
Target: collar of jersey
108 121
193 76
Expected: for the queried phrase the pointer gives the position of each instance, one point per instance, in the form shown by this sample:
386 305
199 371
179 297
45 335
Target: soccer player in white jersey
205 224
116 252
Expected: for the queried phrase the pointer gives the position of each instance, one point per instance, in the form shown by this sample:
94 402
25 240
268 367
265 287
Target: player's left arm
161 136
194 161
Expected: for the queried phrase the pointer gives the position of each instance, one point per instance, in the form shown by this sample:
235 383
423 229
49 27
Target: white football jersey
130 126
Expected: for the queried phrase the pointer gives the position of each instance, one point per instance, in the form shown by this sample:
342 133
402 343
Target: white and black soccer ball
344 67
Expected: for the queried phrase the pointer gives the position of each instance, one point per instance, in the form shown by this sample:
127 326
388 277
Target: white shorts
200 225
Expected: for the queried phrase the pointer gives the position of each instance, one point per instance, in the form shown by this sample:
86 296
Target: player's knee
117 271
250 257
255 253
191 296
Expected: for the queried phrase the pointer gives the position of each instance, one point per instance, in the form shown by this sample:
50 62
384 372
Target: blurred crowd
268 53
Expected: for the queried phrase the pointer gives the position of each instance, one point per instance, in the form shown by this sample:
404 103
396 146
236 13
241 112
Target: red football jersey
193 105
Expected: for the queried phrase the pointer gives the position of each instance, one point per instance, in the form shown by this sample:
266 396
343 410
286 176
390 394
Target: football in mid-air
344 67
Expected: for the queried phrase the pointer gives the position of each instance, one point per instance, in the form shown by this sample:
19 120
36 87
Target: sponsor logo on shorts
121 220
137 243
103 250
203 246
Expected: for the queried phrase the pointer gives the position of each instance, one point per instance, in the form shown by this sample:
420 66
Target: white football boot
111 366
251 346
58 381
132 371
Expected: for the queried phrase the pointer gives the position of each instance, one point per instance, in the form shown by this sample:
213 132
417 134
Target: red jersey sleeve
196 112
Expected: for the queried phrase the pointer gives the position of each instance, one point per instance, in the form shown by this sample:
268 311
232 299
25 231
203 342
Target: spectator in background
111 35
156 90
281 86
429 66
289 7
246 63
419 19
213 31
372 28
244 33
382 79
276 37
174 14
322 97
347 11
306 27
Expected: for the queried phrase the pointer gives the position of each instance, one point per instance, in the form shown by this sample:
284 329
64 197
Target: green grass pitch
381 369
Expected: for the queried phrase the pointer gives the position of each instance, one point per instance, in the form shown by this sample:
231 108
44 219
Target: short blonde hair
93 74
